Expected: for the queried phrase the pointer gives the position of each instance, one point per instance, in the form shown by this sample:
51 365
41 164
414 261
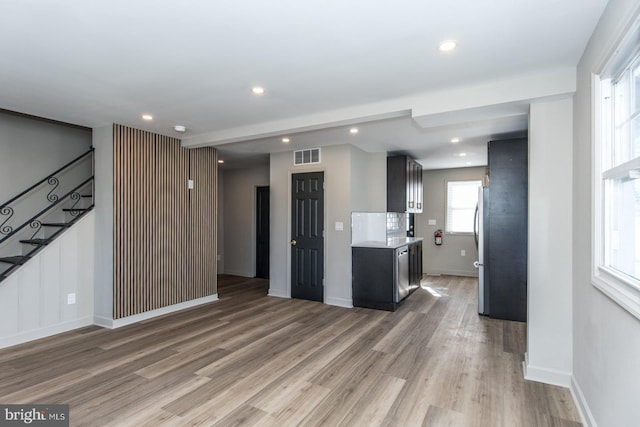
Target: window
617 187
462 197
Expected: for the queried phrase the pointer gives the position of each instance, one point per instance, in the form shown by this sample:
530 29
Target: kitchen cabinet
404 185
383 275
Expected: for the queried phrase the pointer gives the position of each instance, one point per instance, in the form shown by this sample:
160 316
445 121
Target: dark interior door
262 232
307 242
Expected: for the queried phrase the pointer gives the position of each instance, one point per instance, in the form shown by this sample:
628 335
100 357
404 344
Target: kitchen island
384 273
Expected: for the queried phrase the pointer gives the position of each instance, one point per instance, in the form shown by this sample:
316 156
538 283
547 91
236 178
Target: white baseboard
340 302
463 273
248 274
36 334
581 403
117 323
545 375
279 293
104 322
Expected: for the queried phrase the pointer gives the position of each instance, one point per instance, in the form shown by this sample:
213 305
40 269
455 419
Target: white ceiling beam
482 101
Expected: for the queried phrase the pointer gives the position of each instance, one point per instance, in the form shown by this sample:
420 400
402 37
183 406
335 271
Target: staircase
35 217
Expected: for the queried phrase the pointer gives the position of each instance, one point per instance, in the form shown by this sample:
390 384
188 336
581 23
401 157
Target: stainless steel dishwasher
401 274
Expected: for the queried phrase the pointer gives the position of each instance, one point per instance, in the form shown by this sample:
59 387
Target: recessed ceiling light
147 117
455 140
462 154
447 46
353 130
180 128
286 140
220 161
257 90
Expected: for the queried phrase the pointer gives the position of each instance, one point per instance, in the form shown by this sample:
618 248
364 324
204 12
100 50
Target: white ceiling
326 66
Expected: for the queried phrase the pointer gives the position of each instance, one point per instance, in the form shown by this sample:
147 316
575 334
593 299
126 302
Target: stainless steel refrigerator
480 230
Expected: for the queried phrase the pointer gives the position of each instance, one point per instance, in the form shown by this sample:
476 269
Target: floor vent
306 157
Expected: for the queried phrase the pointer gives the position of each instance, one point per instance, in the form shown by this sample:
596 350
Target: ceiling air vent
306 157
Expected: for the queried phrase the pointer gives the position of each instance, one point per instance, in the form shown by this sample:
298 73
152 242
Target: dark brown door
307 242
262 232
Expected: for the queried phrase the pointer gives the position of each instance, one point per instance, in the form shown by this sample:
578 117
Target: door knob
293 242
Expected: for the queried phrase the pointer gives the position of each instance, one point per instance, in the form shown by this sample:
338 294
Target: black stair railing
76 182
73 195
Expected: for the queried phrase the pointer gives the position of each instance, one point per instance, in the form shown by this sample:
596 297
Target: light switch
463 253
339 226
432 222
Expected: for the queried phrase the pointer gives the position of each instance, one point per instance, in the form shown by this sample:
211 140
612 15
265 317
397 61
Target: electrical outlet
71 298
463 253
339 226
190 184
431 222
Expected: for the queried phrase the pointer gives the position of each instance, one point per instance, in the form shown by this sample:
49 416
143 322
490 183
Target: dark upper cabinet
404 185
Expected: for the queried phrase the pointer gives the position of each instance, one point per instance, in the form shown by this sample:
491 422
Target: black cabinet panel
415 265
507 220
373 282
397 178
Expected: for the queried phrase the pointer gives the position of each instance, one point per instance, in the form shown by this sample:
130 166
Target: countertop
390 243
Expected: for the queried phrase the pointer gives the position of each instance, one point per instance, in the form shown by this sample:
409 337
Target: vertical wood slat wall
164 233
203 166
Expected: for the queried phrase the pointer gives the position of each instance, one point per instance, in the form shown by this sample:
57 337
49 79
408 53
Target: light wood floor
254 360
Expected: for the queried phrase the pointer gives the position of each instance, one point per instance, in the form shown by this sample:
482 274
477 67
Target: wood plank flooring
255 360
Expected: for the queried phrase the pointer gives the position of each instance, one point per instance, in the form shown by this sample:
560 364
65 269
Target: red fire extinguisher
437 237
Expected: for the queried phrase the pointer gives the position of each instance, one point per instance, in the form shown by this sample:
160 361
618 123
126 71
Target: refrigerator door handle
475 225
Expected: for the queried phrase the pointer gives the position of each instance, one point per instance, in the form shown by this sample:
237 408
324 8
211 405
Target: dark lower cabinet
375 275
415 264
372 278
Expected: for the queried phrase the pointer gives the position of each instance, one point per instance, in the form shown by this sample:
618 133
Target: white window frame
447 225
622 289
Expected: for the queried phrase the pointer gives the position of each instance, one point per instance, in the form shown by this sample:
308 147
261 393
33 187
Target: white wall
239 212
606 338
338 172
279 193
337 179
368 181
445 259
548 357
103 274
41 146
33 300
367 192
